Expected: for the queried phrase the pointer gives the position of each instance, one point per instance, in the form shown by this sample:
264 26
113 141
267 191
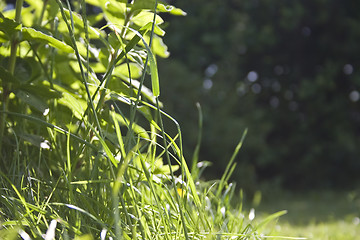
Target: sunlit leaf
159 47
145 17
160 168
126 71
93 2
79 25
32 34
170 9
125 122
114 11
84 237
3 37
143 4
71 101
9 27
154 74
157 29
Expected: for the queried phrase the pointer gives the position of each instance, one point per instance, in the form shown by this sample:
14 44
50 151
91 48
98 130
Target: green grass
325 215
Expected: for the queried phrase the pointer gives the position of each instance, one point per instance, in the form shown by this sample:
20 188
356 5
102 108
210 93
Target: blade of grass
52 126
229 168
195 158
78 57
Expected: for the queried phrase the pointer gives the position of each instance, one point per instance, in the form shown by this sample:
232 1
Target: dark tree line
287 70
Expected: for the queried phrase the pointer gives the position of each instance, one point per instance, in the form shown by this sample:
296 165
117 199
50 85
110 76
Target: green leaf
160 168
41 90
170 9
115 7
79 25
150 4
35 140
125 72
114 11
6 76
23 70
104 145
9 26
84 237
71 101
114 40
157 29
143 4
32 34
154 74
159 47
125 122
32 100
145 17
152 60
93 2
3 37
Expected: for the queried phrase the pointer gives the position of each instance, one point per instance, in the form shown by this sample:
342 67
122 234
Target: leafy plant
83 146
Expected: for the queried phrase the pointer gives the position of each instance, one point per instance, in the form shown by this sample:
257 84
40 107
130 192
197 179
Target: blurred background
286 70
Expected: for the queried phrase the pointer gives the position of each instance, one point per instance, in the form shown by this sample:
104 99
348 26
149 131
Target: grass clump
83 147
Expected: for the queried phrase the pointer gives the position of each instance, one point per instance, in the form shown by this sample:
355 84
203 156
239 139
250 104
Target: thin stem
136 103
12 62
42 12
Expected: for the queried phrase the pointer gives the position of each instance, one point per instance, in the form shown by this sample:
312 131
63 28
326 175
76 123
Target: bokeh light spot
252 76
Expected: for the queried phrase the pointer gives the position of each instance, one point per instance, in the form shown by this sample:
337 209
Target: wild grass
85 154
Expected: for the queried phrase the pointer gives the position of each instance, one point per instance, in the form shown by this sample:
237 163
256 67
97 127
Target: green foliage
83 146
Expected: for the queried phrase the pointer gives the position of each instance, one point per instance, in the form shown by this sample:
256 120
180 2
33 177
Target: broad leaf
35 140
23 70
9 27
114 12
42 90
72 101
6 76
32 34
143 4
157 29
170 9
145 17
125 71
78 25
149 4
159 47
136 128
33 101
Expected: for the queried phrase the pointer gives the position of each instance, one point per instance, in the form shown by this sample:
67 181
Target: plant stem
14 40
12 62
42 12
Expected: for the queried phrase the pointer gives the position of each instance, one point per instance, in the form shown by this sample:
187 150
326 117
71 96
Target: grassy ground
316 215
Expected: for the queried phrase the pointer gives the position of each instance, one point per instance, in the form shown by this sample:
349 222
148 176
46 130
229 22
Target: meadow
315 214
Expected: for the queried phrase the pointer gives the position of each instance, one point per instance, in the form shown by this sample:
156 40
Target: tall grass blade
229 167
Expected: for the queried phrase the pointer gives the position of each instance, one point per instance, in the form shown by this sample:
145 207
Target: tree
287 71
